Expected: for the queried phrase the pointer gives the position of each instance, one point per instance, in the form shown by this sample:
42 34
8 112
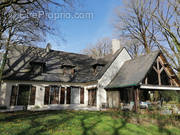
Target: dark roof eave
95 81
121 86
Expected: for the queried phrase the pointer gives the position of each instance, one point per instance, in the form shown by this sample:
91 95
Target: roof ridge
142 55
37 47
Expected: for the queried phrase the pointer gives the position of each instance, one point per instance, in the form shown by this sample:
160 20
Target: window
38 67
92 97
68 95
54 95
23 95
32 96
62 95
14 94
82 96
62 98
46 97
51 95
97 68
68 70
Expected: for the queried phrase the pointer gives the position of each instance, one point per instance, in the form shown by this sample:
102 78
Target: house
59 80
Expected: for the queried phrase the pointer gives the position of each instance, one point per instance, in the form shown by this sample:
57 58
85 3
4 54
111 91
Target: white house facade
60 94
48 79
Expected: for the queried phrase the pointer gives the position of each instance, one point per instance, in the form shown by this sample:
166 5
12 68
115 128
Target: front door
92 97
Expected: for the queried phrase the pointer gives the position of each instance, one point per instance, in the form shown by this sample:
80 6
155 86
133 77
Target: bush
36 107
171 96
151 108
3 107
172 102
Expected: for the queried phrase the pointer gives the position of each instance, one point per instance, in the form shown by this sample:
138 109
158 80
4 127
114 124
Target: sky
77 34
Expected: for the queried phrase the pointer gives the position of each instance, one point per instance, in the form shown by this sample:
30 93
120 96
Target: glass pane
23 96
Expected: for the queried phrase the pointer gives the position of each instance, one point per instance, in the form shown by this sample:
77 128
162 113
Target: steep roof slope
110 58
133 71
21 56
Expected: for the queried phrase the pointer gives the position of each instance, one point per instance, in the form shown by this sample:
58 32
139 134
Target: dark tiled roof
133 71
21 56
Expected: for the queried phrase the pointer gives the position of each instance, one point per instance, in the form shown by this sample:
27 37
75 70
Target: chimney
115 45
48 47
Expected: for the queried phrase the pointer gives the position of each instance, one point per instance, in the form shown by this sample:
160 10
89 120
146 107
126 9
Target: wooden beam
166 65
162 68
171 82
160 88
146 80
168 69
136 102
173 76
155 69
158 72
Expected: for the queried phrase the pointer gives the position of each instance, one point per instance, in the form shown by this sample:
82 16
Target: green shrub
151 108
171 96
36 107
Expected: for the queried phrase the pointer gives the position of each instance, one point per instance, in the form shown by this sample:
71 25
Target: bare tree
18 26
21 3
136 21
133 46
32 6
18 30
100 49
167 19
154 23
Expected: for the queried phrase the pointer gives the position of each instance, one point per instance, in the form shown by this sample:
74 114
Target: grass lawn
84 123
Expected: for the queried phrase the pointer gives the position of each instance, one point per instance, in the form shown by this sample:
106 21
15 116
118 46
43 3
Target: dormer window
97 68
38 67
98 65
67 69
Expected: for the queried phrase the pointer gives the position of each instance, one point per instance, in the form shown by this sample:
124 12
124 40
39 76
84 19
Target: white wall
40 91
85 96
40 87
5 93
6 88
109 75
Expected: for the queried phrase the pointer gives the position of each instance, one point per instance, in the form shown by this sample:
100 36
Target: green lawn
83 123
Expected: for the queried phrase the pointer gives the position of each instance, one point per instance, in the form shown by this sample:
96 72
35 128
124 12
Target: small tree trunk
136 99
4 58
